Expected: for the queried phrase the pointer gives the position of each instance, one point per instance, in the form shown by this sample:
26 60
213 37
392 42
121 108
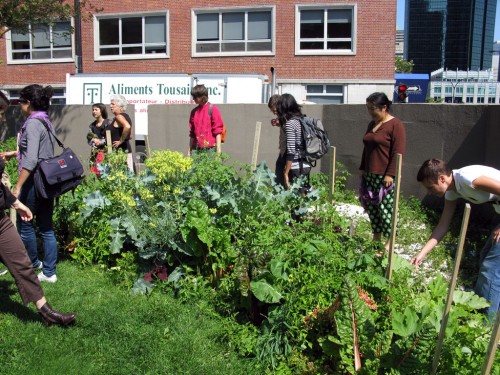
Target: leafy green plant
10 144
297 290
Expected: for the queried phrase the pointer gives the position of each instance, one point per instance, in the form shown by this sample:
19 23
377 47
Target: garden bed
306 296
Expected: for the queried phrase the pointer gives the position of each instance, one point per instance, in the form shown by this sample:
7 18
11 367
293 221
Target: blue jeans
42 210
488 281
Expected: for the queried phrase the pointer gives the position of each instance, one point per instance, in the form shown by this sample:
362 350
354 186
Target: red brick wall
376 27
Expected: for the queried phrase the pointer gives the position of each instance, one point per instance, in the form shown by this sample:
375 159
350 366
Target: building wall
372 62
495 60
449 34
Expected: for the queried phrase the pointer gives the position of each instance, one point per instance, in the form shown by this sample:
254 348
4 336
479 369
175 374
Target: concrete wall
459 134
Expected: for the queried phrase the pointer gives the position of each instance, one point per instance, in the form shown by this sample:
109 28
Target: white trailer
142 90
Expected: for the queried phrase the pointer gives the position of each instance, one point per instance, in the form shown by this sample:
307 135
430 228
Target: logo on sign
62 163
92 93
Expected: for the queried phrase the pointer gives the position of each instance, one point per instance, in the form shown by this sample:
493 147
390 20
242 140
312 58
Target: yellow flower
213 210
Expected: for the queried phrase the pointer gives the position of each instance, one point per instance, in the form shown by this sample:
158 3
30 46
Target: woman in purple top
13 253
35 143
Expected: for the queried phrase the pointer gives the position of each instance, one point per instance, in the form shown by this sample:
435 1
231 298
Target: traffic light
402 92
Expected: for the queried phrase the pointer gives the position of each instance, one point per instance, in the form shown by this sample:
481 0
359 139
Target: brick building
324 52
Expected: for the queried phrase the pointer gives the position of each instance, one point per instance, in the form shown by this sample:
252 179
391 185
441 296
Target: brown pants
15 257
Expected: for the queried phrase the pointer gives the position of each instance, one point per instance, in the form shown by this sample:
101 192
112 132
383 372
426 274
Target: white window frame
143 44
340 52
10 51
326 94
225 10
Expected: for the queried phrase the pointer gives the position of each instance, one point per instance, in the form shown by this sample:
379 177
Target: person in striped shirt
289 114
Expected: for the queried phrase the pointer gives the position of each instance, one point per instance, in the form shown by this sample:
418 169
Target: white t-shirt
464 177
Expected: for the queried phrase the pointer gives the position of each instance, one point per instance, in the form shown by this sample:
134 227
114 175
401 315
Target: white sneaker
51 279
40 266
3 272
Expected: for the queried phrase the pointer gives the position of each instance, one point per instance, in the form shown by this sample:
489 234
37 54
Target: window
448 90
325 94
459 90
59 96
437 90
233 32
492 91
42 43
131 37
325 31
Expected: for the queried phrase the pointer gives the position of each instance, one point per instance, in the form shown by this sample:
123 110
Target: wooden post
451 288
108 141
492 347
256 141
333 161
148 147
395 210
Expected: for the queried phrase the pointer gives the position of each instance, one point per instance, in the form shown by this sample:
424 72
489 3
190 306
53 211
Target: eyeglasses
18 101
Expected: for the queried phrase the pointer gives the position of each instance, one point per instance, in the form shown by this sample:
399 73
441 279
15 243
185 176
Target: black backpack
314 139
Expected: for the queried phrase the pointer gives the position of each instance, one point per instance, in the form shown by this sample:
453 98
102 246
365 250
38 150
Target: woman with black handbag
35 143
13 253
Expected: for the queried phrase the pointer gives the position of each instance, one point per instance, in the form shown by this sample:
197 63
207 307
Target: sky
400 20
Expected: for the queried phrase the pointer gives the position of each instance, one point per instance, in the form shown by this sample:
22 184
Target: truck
142 90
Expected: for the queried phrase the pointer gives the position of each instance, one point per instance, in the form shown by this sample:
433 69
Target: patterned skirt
380 215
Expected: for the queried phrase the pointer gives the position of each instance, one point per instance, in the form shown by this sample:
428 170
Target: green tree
404 66
19 14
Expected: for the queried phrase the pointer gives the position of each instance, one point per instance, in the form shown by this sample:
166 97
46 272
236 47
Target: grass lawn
115 333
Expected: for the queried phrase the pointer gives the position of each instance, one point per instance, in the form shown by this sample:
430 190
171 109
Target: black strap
51 132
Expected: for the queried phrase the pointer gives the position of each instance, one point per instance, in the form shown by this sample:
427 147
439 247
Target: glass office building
450 34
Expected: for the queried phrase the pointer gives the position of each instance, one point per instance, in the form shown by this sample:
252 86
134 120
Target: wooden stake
333 161
256 141
451 288
492 347
395 210
148 147
108 141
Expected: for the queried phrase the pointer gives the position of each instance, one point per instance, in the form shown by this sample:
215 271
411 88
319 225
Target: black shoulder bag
58 175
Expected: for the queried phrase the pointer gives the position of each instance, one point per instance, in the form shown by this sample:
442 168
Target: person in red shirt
205 131
384 138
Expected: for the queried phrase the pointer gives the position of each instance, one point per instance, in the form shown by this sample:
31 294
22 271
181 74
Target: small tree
18 15
404 66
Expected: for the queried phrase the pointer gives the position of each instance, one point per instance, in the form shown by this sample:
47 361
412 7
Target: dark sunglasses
18 101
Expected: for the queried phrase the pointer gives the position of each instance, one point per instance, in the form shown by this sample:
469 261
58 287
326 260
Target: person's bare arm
487 184
437 234
23 176
218 142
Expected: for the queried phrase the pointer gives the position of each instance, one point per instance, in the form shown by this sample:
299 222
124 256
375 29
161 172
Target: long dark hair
38 96
287 108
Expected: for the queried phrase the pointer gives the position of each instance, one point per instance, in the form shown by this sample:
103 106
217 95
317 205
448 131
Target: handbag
59 174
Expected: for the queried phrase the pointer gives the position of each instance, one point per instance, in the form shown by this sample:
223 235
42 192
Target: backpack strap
51 132
210 111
